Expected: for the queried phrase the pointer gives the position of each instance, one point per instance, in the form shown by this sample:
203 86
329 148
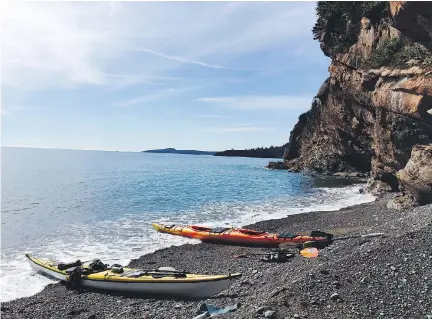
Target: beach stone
4 308
269 314
177 306
335 296
260 310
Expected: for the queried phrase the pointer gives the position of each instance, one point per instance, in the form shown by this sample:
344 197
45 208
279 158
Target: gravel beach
381 277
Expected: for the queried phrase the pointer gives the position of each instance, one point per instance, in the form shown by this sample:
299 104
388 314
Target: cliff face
377 102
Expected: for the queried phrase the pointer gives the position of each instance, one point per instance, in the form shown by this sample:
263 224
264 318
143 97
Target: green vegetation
414 52
395 53
338 26
385 52
339 21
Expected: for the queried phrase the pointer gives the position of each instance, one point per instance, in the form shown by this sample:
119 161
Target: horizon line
124 151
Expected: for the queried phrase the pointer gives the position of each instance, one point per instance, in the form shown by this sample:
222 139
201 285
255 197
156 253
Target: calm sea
68 204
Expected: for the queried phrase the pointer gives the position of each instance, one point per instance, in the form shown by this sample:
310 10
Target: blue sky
134 76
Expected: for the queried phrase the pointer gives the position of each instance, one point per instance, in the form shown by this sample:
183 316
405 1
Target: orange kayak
239 236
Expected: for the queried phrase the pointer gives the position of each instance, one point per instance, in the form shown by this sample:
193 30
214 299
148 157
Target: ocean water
68 205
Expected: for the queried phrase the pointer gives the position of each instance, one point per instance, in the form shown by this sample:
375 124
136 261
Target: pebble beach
380 277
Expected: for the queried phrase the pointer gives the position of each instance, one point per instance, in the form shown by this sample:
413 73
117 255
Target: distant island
174 151
260 152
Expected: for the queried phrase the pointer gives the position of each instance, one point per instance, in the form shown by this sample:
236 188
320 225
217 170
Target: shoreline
340 193
301 287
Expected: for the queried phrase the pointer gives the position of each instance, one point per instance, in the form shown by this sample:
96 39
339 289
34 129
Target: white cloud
239 129
50 44
260 102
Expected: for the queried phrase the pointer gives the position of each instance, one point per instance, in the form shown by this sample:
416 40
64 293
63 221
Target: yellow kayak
153 282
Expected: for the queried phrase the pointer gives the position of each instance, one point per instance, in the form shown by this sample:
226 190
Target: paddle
324 243
360 236
317 233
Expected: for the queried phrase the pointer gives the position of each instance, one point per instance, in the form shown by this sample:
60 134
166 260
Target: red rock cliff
377 102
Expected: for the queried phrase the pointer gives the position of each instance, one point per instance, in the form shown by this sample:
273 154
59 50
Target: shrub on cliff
414 52
395 53
338 22
385 52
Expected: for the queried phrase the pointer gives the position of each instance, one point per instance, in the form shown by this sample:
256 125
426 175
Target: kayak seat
169 226
63 266
71 269
132 273
200 228
250 232
218 230
287 236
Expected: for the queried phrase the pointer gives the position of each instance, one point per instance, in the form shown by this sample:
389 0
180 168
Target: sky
132 76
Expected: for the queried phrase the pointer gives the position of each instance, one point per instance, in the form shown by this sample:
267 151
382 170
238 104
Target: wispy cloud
239 129
154 95
260 102
52 44
180 59
118 81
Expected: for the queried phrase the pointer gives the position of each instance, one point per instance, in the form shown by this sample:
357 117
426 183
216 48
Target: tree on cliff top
338 22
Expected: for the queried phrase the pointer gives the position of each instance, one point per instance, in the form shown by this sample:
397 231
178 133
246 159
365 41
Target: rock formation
376 105
277 165
415 179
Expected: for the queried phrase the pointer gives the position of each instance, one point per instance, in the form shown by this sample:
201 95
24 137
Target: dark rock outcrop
377 102
277 165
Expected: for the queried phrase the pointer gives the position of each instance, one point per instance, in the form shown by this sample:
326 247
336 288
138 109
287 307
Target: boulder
277 165
415 179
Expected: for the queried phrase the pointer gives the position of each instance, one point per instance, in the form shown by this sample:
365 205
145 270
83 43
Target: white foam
133 236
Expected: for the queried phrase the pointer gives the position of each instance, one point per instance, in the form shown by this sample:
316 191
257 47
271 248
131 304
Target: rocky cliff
376 104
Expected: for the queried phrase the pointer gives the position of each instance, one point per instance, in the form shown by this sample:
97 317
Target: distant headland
174 151
259 152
